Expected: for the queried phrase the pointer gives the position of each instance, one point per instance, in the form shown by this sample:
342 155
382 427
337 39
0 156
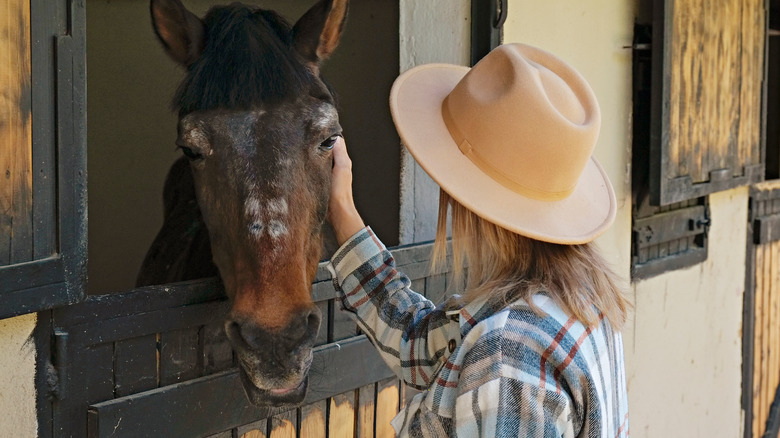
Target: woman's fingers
342 213
340 156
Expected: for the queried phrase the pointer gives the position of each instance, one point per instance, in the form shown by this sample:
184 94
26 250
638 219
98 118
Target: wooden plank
322 334
366 411
97 308
313 420
155 412
257 429
772 322
342 325
16 223
31 274
216 352
94 385
341 415
387 399
436 288
706 122
154 322
353 353
766 229
226 434
407 393
758 340
45 25
135 365
752 53
765 336
418 285
179 359
283 425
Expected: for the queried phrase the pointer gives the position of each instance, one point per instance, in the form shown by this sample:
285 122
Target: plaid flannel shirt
491 371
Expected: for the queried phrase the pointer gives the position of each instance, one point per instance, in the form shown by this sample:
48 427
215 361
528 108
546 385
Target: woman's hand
342 214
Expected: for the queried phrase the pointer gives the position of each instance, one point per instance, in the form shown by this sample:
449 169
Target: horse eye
189 153
328 144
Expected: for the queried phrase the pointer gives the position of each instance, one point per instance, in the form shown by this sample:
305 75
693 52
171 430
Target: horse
256 125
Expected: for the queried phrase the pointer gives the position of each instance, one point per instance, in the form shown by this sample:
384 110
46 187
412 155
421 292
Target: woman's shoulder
544 334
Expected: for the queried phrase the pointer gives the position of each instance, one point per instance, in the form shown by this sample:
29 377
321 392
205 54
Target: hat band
490 170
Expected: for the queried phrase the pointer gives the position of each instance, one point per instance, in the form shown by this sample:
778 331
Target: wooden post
15 134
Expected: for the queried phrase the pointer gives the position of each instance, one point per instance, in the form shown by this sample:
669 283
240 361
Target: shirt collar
473 312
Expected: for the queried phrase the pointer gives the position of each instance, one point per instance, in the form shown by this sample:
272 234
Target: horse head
257 123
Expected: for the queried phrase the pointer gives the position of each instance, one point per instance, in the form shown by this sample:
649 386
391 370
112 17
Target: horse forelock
247 60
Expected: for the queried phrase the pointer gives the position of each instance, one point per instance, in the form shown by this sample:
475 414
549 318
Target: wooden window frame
662 238
57 274
664 188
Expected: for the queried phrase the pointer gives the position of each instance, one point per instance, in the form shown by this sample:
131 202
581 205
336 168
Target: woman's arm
411 334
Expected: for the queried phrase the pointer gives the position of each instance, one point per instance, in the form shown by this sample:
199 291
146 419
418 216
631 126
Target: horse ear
180 31
316 35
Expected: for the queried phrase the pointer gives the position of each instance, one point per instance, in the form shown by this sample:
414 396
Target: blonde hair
508 265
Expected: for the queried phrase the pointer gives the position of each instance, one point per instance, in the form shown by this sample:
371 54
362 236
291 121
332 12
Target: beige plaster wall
683 345
685 371
17 379
591 36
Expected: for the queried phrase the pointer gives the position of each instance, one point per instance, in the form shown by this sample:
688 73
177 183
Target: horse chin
264 398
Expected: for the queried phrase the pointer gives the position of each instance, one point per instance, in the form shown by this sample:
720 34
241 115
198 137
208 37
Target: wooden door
762 313
42 155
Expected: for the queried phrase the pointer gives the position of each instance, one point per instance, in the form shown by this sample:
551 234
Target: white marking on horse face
268 218
253 209
326 117
277 206
276 229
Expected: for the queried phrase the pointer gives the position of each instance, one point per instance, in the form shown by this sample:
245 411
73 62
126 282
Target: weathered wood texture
765 203
16 224
140 363
715 74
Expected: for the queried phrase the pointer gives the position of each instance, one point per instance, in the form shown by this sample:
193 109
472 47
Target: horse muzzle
274 365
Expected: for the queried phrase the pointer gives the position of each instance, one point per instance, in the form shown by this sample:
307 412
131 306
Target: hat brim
415 103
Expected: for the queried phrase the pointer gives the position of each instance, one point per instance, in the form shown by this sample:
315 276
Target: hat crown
525 118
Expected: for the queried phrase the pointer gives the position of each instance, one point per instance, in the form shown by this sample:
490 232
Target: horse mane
247 59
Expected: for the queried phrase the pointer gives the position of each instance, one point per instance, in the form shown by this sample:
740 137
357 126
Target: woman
533 347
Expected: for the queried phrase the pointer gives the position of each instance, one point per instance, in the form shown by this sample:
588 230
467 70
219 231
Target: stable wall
17 379
683 344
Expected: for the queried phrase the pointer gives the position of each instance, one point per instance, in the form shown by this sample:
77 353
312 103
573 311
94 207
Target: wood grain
766 336
283 425
715 86
16 224
758 335
366 412
313 424
387 399
341 421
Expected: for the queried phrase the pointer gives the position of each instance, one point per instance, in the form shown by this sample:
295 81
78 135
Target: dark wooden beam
217 402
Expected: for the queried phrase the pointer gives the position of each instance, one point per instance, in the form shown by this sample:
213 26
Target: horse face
262 179
258 132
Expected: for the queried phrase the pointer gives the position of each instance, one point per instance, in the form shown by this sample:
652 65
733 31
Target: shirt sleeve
410 332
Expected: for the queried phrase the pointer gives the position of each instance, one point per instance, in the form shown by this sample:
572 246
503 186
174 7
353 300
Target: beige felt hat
511 139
